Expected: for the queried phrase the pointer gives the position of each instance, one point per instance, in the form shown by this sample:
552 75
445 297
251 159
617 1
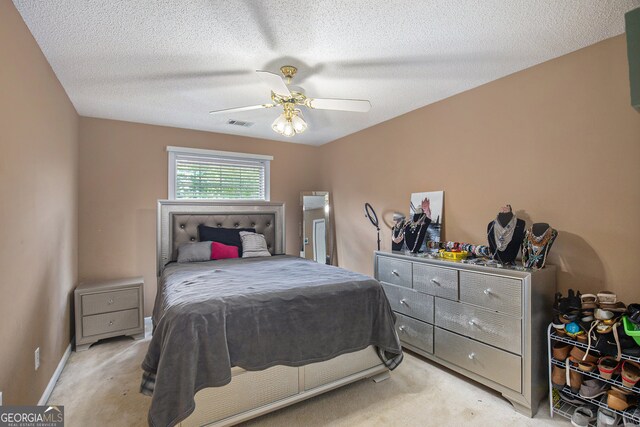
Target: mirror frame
327 219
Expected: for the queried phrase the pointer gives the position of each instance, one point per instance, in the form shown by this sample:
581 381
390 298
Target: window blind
213 177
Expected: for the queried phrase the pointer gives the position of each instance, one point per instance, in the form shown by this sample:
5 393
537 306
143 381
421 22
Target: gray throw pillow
194 252
253 245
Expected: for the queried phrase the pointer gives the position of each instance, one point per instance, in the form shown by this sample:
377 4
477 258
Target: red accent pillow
220 251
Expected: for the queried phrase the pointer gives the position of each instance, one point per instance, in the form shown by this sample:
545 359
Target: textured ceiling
169 62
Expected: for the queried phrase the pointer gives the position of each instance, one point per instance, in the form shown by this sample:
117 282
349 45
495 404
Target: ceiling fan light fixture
289 131
299 125
279 124
291 121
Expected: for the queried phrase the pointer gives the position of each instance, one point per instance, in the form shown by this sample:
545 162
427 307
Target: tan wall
559 141
38 213
123 172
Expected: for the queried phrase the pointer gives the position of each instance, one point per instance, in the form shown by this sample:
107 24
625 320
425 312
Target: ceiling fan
291 121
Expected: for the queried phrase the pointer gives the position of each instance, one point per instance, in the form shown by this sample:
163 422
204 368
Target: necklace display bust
505 235
536 245
415 231
397 236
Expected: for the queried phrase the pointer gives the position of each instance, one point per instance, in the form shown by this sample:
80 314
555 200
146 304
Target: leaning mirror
316 228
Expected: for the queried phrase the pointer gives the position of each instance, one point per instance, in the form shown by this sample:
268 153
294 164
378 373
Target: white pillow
253 245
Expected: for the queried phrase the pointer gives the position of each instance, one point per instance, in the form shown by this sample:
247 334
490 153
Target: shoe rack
566 409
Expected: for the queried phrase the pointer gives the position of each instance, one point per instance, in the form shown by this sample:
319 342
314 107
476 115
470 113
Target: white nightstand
108 309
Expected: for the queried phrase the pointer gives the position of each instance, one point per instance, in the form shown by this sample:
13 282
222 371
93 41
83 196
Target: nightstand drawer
410 302
394 271
107 302
110 322
441 282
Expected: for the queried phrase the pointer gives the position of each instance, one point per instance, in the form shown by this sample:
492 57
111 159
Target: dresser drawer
110 322
415 332
441 282
107 302
409 302
498 366
489 327
493 292
394 271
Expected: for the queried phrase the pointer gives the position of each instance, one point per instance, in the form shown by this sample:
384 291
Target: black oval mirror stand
370 213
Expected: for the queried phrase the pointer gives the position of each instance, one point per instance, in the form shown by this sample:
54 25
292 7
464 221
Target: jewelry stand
416 229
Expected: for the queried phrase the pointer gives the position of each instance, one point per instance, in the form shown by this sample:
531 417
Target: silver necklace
503 235
397 233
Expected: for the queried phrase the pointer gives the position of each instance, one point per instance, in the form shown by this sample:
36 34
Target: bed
234 339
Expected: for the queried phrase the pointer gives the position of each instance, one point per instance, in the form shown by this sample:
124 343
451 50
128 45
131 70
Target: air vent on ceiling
240 123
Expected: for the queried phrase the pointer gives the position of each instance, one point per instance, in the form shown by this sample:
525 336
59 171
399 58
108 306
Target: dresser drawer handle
110 322
395 273
403 301
110 301
472 323
471 356
435 282
401 328
488 291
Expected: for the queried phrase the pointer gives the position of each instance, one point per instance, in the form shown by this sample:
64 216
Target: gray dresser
486 323
108 309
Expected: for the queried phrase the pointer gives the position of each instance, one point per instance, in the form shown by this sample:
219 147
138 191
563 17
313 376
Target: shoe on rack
607 297
607 418
566 397
589 301
586 366
579 354
560 350
634 313
583 416
630 422
630 373
593 388
574 380
608 366
558 377
574 302
617 400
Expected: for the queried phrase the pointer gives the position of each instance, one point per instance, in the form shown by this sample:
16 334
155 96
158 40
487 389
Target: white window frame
175 151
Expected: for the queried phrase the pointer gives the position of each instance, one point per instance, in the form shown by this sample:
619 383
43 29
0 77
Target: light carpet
99 387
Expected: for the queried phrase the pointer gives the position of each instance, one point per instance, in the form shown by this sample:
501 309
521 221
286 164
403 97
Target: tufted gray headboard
178 223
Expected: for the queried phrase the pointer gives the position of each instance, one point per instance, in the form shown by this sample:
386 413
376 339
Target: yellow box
453 256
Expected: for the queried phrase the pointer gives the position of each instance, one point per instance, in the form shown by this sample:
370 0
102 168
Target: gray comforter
255 313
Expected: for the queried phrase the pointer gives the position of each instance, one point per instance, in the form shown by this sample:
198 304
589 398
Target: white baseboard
55 376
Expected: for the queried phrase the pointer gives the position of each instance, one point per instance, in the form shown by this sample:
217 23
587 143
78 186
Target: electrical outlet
37 357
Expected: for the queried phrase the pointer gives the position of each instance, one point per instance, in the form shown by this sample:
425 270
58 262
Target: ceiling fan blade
275 82
238 109
357 105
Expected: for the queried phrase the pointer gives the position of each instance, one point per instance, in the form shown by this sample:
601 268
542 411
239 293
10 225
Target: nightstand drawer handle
110 322
401 328
395 272
472 356
403 301
110 301
435 282
488 291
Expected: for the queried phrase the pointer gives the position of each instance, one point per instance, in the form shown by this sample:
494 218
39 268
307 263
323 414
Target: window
219 175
